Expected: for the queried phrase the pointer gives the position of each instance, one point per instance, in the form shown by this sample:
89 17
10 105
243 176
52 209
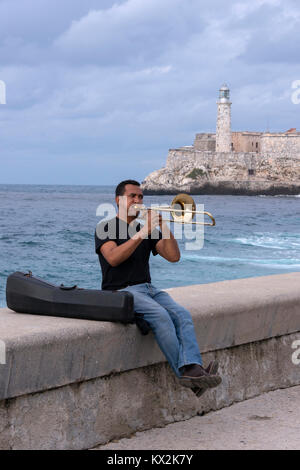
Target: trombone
180 214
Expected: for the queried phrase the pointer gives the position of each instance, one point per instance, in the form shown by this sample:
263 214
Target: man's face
132 195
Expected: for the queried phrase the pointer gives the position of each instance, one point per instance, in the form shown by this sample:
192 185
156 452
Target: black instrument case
28 294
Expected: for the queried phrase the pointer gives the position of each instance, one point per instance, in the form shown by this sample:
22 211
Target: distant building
229 162
223 131
224 140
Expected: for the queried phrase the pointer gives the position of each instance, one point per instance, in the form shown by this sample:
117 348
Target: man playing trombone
124 262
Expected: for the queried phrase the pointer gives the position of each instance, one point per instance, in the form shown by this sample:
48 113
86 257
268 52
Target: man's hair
120 189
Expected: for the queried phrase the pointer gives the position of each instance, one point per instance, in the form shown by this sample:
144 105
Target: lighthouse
223 131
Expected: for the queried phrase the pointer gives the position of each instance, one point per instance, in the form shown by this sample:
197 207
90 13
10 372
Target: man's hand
167 247
160 221
153 220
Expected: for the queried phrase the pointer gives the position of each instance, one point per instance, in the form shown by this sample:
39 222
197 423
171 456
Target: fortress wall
179 157
233 165
246 141
280 144
205 142
75 384
258 142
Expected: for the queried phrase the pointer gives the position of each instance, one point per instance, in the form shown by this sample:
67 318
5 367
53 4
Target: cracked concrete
269 421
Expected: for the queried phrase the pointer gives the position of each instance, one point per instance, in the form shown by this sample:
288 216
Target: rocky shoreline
236 173
234 188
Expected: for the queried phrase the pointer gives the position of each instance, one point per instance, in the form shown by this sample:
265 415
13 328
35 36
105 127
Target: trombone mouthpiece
135 209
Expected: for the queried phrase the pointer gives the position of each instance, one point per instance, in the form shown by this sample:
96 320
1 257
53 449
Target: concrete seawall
74 384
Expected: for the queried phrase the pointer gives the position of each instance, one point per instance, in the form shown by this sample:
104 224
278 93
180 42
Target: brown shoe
195 375
212 369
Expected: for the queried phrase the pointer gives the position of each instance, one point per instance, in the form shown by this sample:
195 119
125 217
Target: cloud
129 33
42 20
127 81
273 30
29 27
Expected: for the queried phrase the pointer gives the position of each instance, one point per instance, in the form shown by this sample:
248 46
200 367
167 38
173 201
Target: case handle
67 288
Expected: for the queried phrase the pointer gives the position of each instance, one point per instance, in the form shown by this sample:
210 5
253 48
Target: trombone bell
186 214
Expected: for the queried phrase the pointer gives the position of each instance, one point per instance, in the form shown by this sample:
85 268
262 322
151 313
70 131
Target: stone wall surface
205 142
282 145
246 141
223 130
86 414
74 384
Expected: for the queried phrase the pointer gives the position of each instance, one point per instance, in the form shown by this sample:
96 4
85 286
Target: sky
98 91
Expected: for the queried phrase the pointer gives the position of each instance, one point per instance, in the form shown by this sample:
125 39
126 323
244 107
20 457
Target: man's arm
116 255
167 247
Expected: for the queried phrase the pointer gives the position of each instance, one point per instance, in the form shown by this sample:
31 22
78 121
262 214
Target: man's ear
117 200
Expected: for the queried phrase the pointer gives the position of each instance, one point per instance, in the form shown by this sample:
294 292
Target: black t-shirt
134 270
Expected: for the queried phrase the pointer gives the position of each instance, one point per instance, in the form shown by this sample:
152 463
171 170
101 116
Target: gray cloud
132 33
44 20
274 34
29 27
118 86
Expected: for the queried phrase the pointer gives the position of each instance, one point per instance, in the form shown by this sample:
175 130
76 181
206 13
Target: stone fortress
231 162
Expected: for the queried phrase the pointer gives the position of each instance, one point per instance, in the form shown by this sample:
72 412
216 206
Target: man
124 248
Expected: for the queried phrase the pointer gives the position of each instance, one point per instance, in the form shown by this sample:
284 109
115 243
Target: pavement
269 421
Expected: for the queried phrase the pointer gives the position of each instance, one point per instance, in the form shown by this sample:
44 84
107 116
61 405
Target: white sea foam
279 195
280 242
280 263
287 195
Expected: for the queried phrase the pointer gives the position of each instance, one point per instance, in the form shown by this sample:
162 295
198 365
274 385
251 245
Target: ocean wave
78 233
279 195
6 237
287 195
31 243
280 262
263 241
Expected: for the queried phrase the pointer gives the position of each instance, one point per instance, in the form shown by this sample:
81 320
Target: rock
206 172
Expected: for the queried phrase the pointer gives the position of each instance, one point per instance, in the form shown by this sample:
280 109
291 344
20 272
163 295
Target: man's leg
167 325
193 374
189 349
160 322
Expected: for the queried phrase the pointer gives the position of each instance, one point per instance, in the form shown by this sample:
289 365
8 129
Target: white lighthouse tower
223 131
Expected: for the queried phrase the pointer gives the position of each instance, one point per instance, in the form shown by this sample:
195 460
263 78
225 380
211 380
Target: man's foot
212 368
195 375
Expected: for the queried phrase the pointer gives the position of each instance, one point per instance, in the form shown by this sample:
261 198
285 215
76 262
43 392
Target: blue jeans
171 324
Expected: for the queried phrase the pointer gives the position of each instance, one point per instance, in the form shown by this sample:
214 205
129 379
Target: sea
49 230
